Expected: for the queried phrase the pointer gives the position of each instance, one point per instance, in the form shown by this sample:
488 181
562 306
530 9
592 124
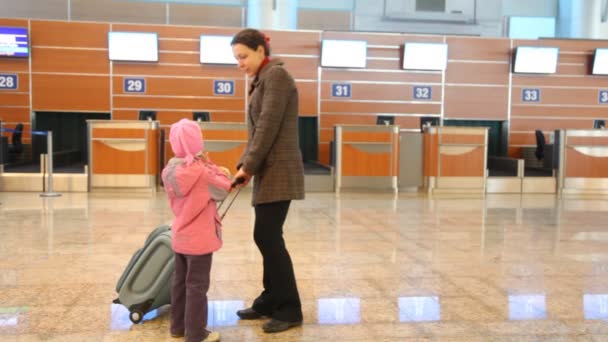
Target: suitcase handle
236 182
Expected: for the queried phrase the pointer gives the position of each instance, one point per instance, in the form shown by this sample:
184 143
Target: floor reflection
419 309
595 306
9 319
437 268
222 313
119 317
339 310
527 307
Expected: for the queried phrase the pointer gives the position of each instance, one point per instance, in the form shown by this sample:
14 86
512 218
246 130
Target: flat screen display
133 46
14 42
536 60
600 62
343 53
425 56
216 50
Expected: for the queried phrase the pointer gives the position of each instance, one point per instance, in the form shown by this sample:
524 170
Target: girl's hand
224 171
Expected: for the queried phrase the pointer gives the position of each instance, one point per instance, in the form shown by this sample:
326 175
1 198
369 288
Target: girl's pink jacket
193 191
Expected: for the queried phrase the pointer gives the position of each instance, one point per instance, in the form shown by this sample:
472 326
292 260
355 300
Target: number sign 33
530 95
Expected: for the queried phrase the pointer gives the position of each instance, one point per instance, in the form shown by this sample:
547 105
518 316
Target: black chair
16 146
540 145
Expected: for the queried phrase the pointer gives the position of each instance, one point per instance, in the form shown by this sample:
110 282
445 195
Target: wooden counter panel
431 146
590 141
212 134
585 166
119 133
348 137
477 139
108 160
469 164
359 163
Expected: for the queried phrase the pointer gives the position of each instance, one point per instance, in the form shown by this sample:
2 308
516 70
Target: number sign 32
423 93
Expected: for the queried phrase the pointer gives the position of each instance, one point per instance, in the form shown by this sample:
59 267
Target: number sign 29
423 93
223 87
134 85
530 95
8 81
341 90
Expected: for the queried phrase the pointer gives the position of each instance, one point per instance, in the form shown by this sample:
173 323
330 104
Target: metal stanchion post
49 165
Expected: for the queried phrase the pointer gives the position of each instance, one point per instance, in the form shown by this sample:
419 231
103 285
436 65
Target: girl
193 185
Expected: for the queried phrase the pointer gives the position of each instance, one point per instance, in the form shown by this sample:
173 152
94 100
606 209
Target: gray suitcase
145 283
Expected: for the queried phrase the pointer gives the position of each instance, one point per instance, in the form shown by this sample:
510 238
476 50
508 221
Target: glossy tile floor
370 267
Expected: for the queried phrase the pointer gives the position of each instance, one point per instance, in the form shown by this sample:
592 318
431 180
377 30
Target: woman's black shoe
275 326
248 313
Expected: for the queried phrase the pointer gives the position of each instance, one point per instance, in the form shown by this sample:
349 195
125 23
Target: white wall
530 8
200 2
368 17
336 5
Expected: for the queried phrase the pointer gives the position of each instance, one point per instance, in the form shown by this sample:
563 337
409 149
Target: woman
273 156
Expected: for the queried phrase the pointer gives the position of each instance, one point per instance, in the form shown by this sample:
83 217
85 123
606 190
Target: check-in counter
367 157
583 161
123 154
455 158
224 141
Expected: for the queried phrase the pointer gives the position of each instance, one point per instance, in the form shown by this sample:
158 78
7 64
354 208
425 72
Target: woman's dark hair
252 38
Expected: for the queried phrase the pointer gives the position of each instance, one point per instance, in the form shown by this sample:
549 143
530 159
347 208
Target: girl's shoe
213 337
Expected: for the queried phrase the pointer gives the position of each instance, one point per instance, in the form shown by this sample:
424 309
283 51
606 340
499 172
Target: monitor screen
216 50
14 42
599 124
385 120
426 121
536 60
600 62
425 56
343 53
201 116
147 115
133 46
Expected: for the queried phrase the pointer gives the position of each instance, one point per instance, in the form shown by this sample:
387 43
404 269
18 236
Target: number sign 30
223 87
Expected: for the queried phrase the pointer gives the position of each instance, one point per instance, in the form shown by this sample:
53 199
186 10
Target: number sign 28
8 81
135 85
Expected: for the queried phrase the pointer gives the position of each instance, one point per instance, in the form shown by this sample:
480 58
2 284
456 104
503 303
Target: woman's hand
241 174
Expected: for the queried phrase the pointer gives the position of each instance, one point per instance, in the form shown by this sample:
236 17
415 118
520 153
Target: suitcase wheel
136 316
